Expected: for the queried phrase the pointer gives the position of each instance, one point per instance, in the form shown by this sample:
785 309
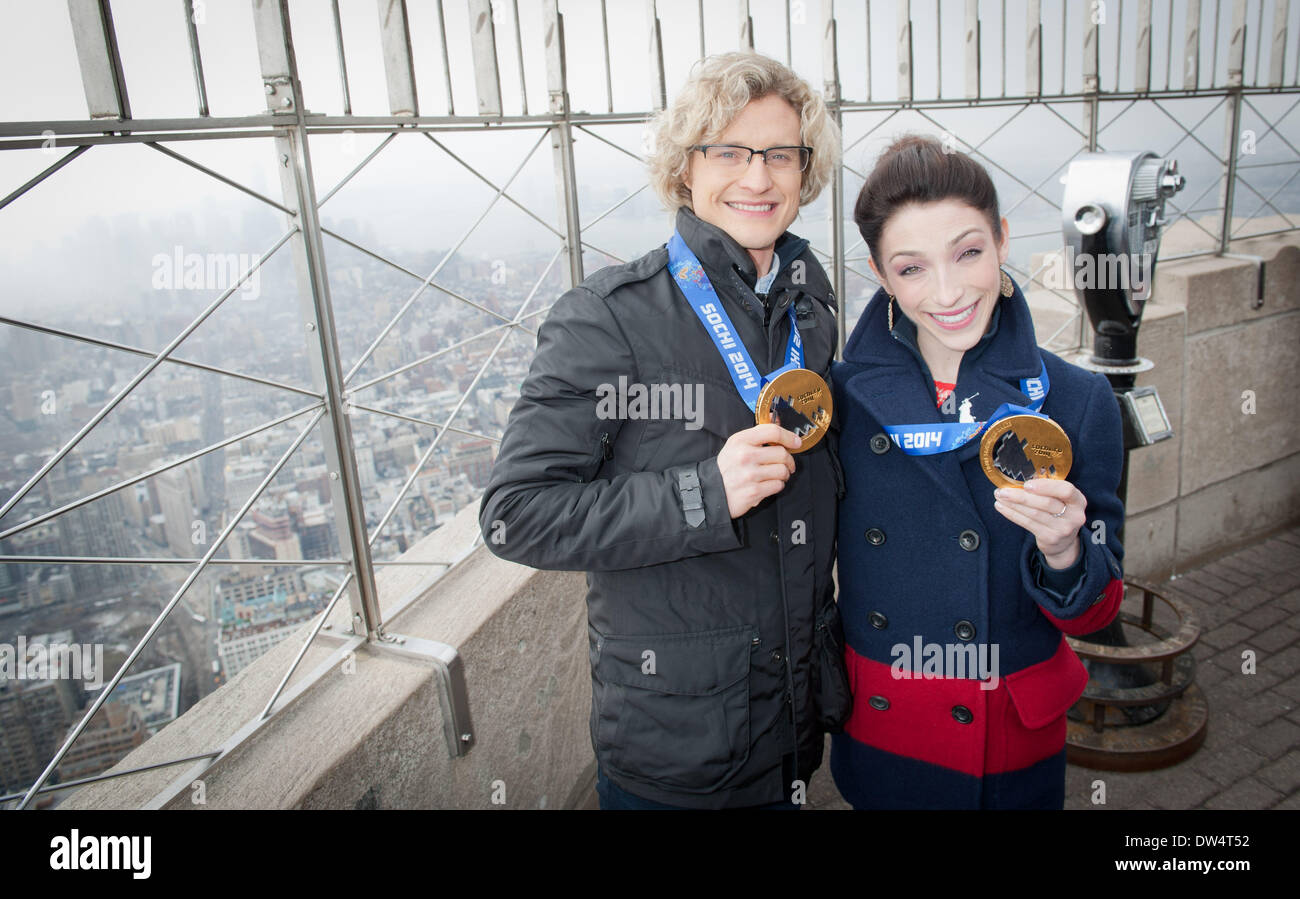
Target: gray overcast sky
403 200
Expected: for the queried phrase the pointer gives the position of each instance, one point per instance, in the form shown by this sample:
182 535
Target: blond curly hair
718 89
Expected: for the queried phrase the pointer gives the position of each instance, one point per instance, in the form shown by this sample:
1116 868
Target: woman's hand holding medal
755 463
1050 509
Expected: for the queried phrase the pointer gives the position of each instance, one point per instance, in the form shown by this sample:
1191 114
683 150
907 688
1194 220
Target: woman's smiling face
942 262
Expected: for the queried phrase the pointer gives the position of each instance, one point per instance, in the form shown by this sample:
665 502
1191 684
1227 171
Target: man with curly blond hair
708 540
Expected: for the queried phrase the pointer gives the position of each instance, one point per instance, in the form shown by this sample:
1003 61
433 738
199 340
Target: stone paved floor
1249 599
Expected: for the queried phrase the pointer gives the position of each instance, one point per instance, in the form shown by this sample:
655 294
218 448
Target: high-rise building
472 458
252 625
35 715
176 501
213 463
114 731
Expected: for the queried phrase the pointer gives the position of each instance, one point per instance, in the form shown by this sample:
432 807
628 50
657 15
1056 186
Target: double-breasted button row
968 540
960 713
964 629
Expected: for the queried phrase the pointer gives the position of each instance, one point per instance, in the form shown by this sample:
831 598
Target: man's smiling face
752 203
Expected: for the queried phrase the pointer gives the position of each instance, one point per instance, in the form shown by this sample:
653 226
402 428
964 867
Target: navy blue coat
927 563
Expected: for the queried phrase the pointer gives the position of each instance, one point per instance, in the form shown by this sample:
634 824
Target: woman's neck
943 362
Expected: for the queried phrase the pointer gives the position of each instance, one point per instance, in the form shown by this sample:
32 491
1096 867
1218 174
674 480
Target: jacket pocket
832 693
674 708
837 468
1044 692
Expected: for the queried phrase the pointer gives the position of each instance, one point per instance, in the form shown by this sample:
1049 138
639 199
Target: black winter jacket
700 627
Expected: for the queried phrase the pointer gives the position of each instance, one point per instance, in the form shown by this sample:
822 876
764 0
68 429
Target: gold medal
1019 447
799 401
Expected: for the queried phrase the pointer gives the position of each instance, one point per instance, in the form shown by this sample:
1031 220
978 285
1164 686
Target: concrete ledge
1224 369
1228 515
1149 551
1219 291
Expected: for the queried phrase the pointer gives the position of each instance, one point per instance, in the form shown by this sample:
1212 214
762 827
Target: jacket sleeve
544 506
1092 601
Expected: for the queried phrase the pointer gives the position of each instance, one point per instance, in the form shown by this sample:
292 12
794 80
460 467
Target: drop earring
1007 287
891 310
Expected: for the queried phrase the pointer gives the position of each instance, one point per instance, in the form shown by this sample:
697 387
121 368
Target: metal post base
453 691
1101 732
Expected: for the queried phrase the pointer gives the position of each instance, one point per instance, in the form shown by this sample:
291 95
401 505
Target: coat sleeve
1093 600
544 506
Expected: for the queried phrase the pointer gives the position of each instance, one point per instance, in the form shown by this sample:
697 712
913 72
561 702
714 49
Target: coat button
875 536
879 702
776 655
964 630
878 620
962 714
774 537
968 540
880 443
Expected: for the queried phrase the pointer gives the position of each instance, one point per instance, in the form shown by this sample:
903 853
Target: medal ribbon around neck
792 397
694 283
944 436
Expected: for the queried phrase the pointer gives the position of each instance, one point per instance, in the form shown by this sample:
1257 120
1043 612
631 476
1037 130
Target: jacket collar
718 251
1008 350
892 382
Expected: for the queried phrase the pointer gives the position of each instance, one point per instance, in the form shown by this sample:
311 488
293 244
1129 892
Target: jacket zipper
777 315
603 453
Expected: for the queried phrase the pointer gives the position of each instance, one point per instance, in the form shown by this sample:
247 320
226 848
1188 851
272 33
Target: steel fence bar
42 175
167 151
359 166
445 259
196 56
138 378
428 357
108 688
189 457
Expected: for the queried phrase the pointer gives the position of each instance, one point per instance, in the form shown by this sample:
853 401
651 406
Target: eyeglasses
778 159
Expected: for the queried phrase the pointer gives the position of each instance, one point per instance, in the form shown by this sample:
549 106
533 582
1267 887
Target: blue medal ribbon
943 437
694 284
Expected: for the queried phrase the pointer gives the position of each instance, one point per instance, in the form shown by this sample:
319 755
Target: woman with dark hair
955 595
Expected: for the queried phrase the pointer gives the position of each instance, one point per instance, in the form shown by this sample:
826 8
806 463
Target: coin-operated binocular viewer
1112 215
1141 708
